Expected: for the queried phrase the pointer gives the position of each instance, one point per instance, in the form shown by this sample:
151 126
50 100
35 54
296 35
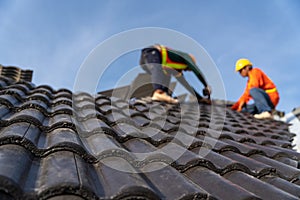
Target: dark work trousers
262 102
150 61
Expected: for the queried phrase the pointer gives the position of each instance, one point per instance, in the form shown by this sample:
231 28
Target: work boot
163 96
263 115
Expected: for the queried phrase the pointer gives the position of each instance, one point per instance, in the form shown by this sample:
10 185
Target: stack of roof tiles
15 73
58 145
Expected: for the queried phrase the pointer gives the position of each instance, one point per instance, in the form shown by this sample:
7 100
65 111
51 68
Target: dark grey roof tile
190 122
26 88
138 145
272 139
106 109
217 145
91 185
61 108
125 131
14 130
57 175
191 130
121 181
161 175
117 117
27 115
84 105
158 109
156 136
2 83
256 168
15 163
120 104
58 120
267 141
10 101
255 186
63 94
42 89
62 100
273 151
143 152
141 107
167 126
217 186
38 104
83 114
38 96
140 121
19 93
283 185
100 101
187 140
101 146
60 137
284 171
290 152
287 161
92 126
183 158
243 148
4 110
223 163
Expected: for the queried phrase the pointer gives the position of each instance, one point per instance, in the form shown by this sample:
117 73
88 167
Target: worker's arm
182 57
243 99
191 65
194 68
253 81
179 56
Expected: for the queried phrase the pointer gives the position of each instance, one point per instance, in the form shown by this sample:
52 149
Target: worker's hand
206 91
205 101
235 106
238 106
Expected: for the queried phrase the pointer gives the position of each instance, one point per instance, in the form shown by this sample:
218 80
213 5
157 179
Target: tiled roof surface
55 145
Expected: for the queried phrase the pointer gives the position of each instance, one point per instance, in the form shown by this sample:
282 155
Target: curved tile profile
58 145
217 186
258 187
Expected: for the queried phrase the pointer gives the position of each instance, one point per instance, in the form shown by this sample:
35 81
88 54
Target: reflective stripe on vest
271 90
166 62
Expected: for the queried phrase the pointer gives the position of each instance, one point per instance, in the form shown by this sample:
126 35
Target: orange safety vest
257 78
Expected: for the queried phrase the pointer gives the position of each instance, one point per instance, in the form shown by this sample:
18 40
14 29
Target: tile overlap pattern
58 145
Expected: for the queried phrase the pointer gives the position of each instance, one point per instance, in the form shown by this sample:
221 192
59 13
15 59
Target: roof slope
56 145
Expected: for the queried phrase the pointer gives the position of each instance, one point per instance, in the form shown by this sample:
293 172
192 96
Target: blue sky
54 37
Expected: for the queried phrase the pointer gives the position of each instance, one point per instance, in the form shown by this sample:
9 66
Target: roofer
162 62
260 88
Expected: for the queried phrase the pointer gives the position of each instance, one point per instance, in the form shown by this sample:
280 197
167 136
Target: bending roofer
162 62
260 88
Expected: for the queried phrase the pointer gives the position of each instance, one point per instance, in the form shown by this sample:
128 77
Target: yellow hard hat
241 63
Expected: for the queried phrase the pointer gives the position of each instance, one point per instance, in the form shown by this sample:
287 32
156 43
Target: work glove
235 106
205 101
206 91
238 106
